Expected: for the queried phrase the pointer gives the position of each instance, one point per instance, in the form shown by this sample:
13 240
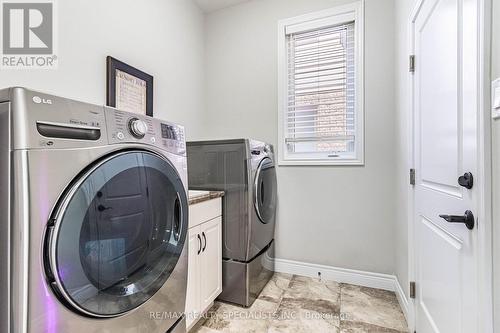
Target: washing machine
94 217
245 170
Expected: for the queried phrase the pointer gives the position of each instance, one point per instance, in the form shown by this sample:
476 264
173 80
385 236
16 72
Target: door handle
467 219
199 243
205 239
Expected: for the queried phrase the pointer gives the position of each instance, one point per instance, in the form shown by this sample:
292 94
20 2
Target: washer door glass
265 190
118 234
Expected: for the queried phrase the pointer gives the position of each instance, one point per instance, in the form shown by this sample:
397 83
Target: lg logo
27 28
39 100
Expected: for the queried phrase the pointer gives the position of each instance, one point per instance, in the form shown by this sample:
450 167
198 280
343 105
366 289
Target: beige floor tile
275 288
230 318
306 315
302 324
357 327
371 306
308 305
314 289
202 329
296 304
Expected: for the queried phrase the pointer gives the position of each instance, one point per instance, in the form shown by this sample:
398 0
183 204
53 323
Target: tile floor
296 304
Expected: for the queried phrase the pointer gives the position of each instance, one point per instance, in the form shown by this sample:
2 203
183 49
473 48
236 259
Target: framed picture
128 88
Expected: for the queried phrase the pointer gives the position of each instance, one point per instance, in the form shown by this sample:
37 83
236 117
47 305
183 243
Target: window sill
346 162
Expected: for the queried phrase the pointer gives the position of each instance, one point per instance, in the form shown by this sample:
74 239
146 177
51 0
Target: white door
445 131
211 261
193 284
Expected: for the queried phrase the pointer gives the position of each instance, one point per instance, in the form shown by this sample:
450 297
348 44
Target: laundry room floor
292 303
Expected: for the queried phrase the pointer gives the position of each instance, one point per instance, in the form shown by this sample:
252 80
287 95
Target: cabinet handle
199 244
205 239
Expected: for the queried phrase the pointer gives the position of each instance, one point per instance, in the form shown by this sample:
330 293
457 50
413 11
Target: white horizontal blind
320 114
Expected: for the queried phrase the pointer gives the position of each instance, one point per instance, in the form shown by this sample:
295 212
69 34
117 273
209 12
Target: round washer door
117 234
265 190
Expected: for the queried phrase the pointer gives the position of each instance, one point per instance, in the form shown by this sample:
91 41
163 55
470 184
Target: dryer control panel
126 127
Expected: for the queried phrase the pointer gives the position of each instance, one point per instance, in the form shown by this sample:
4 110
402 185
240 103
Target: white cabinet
211 262
205 258
193 284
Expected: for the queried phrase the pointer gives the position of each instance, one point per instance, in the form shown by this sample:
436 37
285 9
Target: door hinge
412 289
412 176
412 63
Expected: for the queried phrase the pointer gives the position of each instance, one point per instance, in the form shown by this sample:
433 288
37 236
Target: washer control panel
126 127
258 151
138 128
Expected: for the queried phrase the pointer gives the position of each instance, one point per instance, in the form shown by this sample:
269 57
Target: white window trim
336 15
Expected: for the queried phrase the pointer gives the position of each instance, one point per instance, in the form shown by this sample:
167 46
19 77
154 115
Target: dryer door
265 191
117 234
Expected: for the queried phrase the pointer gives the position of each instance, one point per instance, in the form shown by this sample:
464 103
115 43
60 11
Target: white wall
163 38
340 216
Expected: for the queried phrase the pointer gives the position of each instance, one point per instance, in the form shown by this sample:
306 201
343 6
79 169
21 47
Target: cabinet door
193 283
211 261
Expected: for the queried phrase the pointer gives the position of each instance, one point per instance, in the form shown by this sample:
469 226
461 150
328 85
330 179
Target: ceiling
209 6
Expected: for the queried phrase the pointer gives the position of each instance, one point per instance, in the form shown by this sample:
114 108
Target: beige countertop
196 196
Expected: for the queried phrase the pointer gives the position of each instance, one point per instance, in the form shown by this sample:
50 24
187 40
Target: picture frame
128 88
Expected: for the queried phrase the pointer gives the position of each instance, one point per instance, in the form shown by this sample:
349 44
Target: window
321 88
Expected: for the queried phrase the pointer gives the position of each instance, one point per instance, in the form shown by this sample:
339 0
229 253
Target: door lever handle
467 219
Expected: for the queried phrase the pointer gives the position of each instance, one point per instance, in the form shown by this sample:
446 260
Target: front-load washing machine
94 218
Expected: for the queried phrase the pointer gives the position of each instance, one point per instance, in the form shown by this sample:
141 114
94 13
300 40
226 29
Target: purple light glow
50 310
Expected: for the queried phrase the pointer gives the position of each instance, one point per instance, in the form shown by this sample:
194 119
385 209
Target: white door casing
445 126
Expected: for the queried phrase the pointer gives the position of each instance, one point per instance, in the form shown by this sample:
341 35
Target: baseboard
344 275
